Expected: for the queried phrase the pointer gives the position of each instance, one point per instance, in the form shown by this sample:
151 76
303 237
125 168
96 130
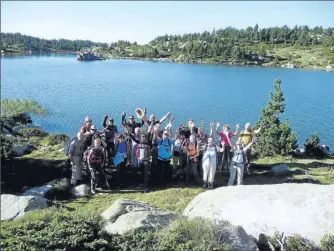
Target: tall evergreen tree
276 138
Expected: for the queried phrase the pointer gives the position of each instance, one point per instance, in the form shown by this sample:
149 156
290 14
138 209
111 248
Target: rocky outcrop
304 209
14 207
56 189
19 151
127 215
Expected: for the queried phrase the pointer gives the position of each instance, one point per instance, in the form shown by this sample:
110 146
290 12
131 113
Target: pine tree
276 138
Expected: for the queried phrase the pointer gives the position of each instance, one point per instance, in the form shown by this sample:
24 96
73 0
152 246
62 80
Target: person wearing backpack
246 137
209 164
96 162
109 132
120 157
143 154
165 172
192 159
238 164
179 153
76 157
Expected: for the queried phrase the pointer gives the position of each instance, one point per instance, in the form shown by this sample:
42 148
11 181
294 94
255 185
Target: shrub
327 243
60 233
292 243
55 139
7 143
312 147
15 106
33 132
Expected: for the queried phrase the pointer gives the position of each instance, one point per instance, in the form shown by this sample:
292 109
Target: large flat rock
126 215
305 209
14 207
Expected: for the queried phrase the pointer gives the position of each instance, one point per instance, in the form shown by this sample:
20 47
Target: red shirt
223 138
84 128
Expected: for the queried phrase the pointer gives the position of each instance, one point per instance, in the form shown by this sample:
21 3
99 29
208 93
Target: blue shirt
164 148
121 147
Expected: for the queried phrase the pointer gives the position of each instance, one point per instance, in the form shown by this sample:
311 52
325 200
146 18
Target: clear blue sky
143 21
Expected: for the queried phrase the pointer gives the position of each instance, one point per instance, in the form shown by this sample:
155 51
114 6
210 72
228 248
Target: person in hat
76 152
227 144
237 164
91 136
109 132
85 128
246 138
131 125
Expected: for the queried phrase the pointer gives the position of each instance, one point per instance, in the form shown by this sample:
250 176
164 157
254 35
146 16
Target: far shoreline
167 60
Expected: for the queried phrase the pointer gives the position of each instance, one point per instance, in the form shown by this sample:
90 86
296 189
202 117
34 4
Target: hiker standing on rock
238 164
109 132
96 162
246 138
192 159
209 164
130 127
143 153
226 142
76 157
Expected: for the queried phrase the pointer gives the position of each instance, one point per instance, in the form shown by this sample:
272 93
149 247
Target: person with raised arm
246 138
238 164
209 164
227 143
153 120
192 159
109 132
202 140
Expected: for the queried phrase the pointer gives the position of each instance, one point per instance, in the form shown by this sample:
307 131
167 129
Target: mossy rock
56 139
33 132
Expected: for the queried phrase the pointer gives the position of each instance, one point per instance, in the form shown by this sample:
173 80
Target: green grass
14 106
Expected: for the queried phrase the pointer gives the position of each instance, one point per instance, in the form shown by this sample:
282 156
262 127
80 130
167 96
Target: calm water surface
70 90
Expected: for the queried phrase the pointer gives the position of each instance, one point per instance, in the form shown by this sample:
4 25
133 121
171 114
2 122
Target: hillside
18 43
300 46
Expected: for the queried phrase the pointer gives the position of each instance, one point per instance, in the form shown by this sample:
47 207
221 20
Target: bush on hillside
15 106
33 132
7 143
60 233
312 147
327 243
55 139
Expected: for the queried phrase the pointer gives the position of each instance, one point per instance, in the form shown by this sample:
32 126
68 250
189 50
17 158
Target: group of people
151 148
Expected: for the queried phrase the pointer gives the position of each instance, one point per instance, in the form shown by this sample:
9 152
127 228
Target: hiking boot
92 190
145 190
210 185
205 184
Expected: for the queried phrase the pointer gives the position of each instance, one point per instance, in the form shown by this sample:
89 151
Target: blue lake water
70 90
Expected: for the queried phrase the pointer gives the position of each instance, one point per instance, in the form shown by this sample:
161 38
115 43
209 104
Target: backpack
67 149
96 155
206 147
140 147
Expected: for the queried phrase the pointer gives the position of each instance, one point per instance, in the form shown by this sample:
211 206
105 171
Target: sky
109 21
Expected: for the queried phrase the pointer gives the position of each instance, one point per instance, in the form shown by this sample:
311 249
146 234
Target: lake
70 90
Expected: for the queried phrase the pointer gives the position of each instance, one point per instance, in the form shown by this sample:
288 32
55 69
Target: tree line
233 43
36 44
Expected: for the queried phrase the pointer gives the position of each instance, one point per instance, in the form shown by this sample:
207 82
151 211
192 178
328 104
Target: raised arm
104 124
236 129
258 130
164 118
212 124
218 124
123 120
